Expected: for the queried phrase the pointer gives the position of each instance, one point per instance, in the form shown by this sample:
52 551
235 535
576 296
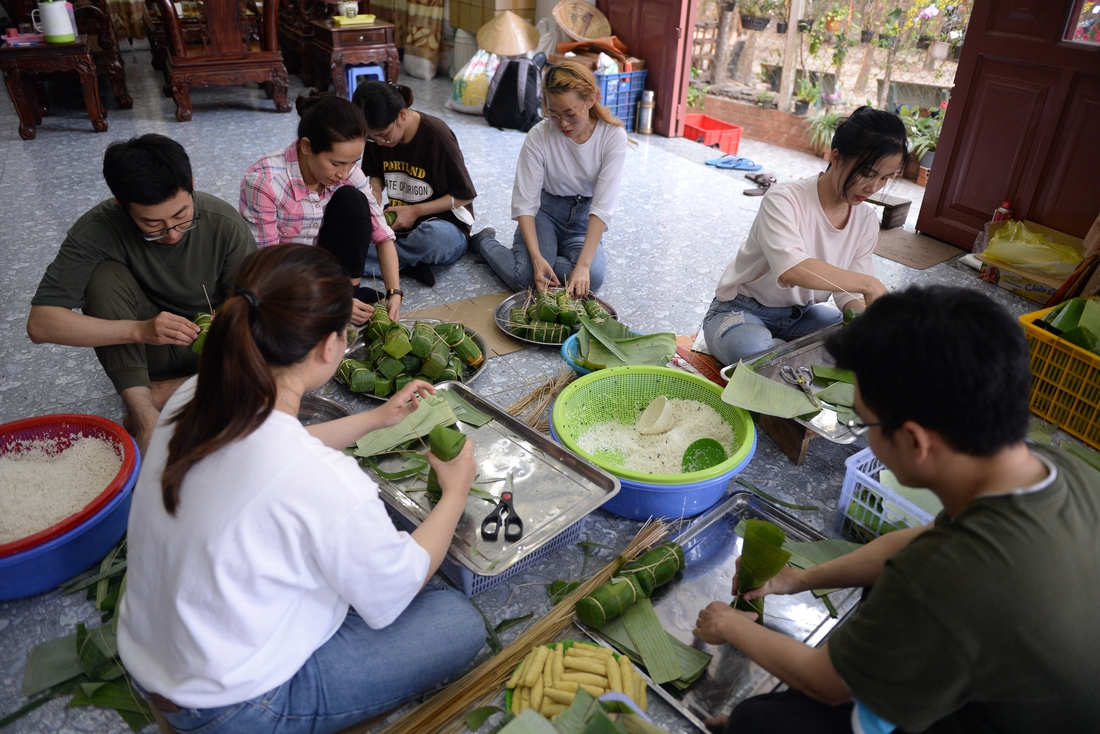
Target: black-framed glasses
181 228
858 427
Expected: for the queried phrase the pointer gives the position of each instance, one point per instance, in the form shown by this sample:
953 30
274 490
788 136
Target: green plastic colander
622 393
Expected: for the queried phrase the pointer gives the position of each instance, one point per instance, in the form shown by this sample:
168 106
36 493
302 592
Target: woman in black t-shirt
415 158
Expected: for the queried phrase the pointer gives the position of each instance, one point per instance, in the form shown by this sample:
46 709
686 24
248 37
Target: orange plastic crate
709 130
1065 382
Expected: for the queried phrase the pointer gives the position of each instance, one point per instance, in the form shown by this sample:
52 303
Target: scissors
503 515
802 377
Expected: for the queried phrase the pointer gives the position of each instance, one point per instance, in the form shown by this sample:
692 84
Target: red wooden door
1022 125
658 32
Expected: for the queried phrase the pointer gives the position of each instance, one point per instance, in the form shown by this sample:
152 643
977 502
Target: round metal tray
315 409
517 301
357 350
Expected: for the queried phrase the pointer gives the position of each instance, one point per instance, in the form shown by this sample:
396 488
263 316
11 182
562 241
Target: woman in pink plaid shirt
314 193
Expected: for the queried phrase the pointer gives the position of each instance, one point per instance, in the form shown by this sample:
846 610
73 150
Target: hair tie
253 301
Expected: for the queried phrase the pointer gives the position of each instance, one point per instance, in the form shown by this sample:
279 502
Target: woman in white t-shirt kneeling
566 188
267 589
811 239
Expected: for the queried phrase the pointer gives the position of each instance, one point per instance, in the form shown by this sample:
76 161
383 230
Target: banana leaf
203 321
693 662
651 641
762 557
656 567
356 375
464 347
1092 458
432 411
445 443
383 386
1068 315
602 338
609 601
758 394
380 324
411 363
922 498
594 310
839 393
389 367
463 410
397 342
654 350
436 361
423 336
833 373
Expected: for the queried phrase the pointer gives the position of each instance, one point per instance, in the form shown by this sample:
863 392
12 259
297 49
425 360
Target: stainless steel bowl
315 409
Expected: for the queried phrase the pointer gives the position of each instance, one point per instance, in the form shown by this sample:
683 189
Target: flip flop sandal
734 163
724 162
756 192
764 178
744 164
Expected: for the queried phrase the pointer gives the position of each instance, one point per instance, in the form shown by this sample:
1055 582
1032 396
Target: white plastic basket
867 509
472 583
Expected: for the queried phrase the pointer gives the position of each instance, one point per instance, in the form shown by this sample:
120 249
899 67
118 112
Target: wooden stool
21 66
894 209
334 48
792 438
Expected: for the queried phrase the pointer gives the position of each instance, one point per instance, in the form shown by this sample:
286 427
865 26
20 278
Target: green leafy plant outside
820 129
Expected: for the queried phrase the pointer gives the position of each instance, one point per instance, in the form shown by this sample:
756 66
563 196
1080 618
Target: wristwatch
395 292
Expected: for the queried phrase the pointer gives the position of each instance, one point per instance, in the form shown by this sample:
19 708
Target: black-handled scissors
503 515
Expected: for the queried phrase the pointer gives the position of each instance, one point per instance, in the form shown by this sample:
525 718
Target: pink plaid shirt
281 209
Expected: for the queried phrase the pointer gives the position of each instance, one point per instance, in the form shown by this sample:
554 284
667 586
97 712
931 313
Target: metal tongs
802 377
503 515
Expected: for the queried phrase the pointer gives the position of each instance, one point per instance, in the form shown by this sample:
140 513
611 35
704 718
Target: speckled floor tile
678 225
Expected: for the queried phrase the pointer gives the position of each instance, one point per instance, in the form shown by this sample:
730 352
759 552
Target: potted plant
805 93
924 38
820 129
782 12
888 37
781 27
754 14
940 48
867 35
833 16
805 25
923 129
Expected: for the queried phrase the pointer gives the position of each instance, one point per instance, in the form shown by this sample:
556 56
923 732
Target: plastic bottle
1004 211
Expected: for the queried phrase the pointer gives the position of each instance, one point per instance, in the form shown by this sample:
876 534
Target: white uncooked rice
40 486
664 453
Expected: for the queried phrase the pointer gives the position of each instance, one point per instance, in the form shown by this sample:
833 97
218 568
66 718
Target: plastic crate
867 507
710 131
472 583
1065 382
621 93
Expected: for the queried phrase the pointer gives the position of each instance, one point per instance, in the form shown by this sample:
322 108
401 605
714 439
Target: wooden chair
93 20
227 54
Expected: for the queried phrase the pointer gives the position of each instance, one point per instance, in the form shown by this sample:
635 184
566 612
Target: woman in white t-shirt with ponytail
267 589
566 187
811 240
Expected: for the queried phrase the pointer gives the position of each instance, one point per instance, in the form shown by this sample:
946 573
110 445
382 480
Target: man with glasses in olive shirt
140 267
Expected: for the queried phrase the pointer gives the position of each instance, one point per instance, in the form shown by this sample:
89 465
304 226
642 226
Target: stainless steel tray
357 350
553 488
806 352
710 551
316 409
517 300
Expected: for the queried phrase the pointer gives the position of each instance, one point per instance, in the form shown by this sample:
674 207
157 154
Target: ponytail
382 102
288 300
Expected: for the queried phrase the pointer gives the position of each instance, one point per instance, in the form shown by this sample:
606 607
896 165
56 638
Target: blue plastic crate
621 93
472 583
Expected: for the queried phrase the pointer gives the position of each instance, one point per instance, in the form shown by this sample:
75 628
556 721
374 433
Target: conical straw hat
507 35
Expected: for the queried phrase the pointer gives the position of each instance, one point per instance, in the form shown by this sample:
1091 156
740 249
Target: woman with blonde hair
566 187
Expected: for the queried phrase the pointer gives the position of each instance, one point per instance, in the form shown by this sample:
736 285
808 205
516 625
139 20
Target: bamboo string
207 299
487 680
834 285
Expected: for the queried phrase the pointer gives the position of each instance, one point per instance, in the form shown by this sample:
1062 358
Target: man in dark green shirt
140 266
983 621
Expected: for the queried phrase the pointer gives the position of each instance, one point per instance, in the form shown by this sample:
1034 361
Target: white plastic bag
471 84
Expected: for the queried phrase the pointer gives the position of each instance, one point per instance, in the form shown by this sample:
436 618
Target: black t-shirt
986 622
426 168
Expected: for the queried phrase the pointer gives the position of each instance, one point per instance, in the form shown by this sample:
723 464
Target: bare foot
717 724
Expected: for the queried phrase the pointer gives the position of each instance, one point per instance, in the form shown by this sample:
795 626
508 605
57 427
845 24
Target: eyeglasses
379 139
858 427
181 228
571 117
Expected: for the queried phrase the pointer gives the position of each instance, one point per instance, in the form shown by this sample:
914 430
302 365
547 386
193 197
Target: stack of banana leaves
396 355
612 344
551 316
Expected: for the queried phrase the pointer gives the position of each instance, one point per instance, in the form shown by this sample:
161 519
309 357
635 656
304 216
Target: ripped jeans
743 327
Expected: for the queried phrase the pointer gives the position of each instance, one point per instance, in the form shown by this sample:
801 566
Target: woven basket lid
507 35
581 20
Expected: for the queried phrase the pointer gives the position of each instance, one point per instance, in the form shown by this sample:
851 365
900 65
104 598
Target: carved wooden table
21 66
334 48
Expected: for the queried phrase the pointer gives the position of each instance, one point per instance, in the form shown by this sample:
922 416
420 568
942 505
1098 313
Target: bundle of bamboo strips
486 681
541 398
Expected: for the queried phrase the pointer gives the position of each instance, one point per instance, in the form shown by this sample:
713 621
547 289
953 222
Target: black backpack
513 98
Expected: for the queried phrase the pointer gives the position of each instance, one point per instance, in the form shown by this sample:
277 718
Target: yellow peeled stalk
627 678
550 710
536 694
589 678
559 663
517 700
525 700
589 651
585 665
517 674
548 670
558 696
525 666
614 675
593 691
535 670
643 700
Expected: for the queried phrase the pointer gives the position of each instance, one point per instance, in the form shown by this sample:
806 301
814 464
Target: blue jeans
434 242
359 673
743 327
561 224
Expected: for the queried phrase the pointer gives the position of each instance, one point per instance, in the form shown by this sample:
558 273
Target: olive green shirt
172 276
987 622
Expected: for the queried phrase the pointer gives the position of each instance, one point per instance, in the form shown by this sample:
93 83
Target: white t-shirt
552 162
274 536
791 227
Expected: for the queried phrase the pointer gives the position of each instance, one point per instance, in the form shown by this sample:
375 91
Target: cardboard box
1034 286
